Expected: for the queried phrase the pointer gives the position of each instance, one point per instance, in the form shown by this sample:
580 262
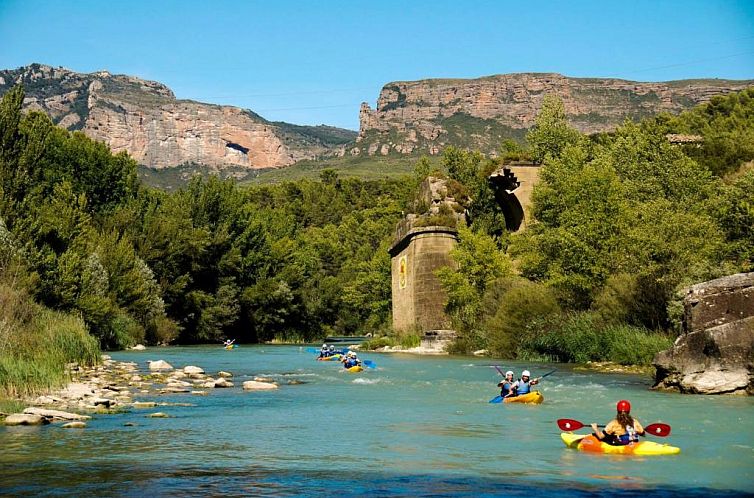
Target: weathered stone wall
418 298
715 354
528 177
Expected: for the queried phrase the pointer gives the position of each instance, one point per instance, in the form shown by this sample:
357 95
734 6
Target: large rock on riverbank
715 354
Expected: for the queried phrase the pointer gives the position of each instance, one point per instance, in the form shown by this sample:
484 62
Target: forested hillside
623 220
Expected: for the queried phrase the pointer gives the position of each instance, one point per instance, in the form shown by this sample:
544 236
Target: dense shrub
519 302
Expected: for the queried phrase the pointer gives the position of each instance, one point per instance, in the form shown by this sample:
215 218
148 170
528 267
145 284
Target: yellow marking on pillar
402 271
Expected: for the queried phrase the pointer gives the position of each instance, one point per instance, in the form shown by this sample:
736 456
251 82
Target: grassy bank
36 343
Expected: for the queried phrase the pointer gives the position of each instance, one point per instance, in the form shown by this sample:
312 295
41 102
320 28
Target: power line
690 63
303 108
286 94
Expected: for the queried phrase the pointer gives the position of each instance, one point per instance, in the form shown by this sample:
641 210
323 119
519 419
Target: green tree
479 263
551 133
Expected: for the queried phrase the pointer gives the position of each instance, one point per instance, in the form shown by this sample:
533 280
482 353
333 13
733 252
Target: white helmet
352 354
324 345
525 373
509 372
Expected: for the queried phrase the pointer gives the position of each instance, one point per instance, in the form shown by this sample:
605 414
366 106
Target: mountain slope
425 116
145 119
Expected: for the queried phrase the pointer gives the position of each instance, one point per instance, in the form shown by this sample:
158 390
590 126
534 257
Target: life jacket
630 436
522 387
506 389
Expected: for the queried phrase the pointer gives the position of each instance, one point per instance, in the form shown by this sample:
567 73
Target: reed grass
582 337
8 406
37 343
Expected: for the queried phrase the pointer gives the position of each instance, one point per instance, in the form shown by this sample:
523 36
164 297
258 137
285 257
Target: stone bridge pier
418 298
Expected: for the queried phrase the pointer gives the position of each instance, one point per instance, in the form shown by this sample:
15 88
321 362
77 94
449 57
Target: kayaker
228 342
350 360
323 352
623 429
506 384
522 385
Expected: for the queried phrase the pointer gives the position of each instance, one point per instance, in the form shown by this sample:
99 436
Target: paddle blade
567 424
661 430
370 364
497 399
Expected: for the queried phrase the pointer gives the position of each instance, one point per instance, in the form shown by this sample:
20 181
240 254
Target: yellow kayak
355 368
534 397
591 444
335 357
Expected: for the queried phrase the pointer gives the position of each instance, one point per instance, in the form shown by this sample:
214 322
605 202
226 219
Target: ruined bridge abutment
418 298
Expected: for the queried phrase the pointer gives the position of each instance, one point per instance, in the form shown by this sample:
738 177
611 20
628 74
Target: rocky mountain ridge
425 116
145 119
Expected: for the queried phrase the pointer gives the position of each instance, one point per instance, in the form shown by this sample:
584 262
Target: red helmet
624 406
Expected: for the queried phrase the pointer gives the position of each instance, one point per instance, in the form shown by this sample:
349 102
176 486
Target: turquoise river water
413 426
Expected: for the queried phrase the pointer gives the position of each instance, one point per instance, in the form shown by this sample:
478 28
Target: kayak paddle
548 373
369 363
658 429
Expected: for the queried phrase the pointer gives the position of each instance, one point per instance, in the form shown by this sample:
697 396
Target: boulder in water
25 419
159 365
253 385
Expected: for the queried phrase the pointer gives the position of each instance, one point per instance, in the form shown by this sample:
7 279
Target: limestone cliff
145 119
425 116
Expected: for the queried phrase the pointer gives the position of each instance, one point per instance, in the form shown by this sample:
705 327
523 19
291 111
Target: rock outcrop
145 119
715 354
425 116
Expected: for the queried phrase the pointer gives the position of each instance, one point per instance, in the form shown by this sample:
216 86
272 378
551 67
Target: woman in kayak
324 352
506 384
522 385
623 429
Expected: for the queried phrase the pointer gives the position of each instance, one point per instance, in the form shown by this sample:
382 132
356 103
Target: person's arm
534 382
597 432
639 428
512 388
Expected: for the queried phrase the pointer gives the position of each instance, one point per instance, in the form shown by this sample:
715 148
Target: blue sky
315 62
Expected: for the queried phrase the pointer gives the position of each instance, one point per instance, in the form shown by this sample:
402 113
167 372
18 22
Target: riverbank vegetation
37 343
621 221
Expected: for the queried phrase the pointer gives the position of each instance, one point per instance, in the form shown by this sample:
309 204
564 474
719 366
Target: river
413 426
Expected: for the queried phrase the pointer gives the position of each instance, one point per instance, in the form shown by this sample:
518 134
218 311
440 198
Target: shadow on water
137 480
